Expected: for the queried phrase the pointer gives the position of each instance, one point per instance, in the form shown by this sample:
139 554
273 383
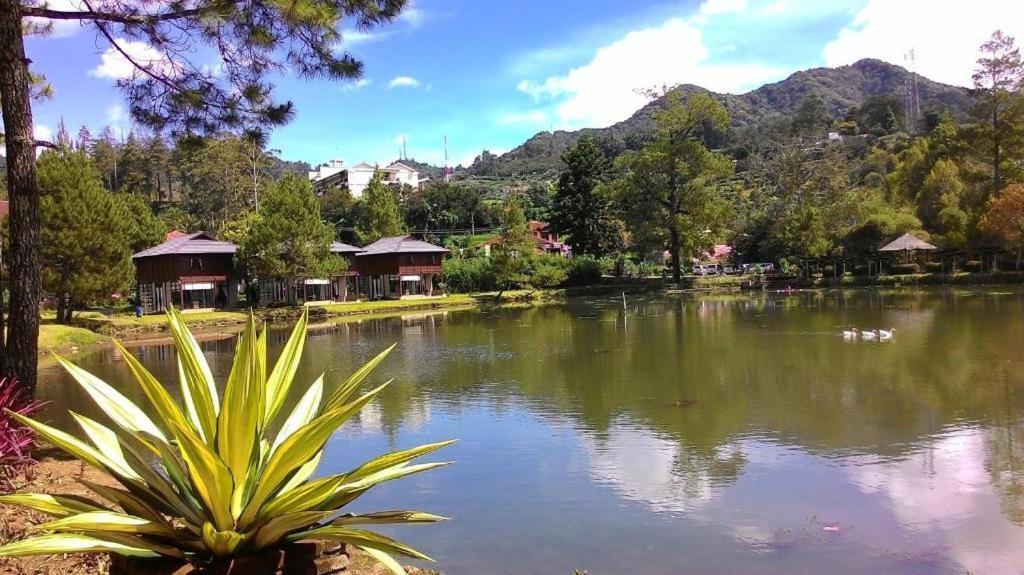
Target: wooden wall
399 264
167 268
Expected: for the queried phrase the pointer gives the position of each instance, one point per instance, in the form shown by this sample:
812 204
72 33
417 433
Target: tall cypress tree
86 254
580 210
380 215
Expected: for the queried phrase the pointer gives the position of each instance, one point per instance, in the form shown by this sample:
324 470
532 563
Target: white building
357 177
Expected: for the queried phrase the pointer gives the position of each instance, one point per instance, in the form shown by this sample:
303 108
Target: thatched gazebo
907 243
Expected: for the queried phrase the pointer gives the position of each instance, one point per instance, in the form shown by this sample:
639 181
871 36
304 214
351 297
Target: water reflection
734 433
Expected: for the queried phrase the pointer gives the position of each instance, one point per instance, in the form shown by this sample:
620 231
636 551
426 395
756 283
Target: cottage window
196 264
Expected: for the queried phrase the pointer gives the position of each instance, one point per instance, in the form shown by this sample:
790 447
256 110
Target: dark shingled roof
197 243
401 245
340 248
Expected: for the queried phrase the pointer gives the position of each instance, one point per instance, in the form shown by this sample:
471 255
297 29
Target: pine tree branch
119 18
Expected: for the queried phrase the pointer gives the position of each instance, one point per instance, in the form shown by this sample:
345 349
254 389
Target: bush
548 276
583 271
904 269
15 438
933 267
465 275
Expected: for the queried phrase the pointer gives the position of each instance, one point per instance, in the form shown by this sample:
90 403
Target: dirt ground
57 475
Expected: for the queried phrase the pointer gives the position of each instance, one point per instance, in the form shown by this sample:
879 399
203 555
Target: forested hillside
840 89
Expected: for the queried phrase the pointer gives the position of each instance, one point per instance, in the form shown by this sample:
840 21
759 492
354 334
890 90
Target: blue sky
491 74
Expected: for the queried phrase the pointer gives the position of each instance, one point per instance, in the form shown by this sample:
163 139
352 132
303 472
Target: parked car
728 270
764 267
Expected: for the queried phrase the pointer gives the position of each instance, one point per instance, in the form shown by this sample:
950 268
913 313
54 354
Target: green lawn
65 338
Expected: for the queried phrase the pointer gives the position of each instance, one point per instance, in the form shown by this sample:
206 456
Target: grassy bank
63 339
129 326
963 278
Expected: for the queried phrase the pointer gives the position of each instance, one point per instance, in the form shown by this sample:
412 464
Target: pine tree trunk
23 189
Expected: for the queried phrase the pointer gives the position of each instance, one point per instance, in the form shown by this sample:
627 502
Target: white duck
886 335
869 335
850 333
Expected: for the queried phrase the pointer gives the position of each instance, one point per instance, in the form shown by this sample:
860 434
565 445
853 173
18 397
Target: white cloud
62 28
116 113
114 65
528 117
42 132
412 15
713 7
353 37
605 90
404 82
357 85
944 34
401 139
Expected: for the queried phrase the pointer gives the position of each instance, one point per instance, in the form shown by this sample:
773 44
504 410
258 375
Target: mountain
840 88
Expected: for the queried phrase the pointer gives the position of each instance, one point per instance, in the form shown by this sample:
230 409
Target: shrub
548 276
933 267
15 438
903 269
217 477
583 271
465 275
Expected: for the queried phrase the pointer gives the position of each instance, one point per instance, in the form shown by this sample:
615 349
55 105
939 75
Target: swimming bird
684 402
850 333
869 335
886 335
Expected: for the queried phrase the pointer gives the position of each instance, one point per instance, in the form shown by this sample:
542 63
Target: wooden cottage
345 285
400 267
191 271
310 290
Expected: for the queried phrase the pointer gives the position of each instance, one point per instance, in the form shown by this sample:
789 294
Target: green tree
380 215
85 233
514 250
288 239
942 188
667 192
339 208
581 210
143 229
811 119
133 168
216 179
998 103
175 91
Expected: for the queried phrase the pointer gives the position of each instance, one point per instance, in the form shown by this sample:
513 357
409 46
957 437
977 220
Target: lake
689 434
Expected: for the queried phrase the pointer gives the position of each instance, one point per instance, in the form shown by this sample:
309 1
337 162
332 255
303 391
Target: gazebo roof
906 243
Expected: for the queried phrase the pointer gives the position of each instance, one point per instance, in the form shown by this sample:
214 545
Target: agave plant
217 477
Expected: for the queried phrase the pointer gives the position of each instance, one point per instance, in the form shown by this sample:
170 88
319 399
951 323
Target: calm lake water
800 452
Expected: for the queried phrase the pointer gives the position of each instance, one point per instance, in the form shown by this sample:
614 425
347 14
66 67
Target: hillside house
400 267
191 271
357 177
545 239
